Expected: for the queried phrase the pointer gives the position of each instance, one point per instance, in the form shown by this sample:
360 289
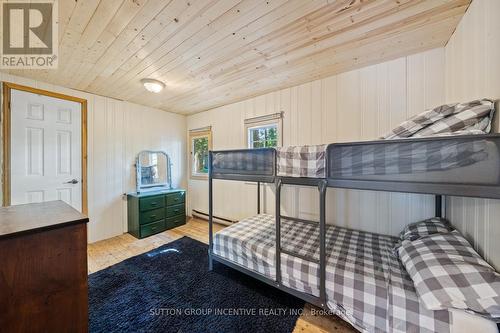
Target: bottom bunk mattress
365 282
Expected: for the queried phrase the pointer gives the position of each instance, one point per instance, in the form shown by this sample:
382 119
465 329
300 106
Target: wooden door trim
6 123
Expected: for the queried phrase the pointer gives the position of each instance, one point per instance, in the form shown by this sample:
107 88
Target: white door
45 149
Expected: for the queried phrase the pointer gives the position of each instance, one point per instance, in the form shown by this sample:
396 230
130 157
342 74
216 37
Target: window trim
279 127
194 135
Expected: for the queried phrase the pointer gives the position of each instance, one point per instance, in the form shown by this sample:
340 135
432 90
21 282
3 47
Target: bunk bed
351 273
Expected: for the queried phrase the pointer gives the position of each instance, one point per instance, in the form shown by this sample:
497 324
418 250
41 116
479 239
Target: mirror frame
140 187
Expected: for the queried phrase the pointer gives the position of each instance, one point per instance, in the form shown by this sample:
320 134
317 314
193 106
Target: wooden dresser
43 270
153 212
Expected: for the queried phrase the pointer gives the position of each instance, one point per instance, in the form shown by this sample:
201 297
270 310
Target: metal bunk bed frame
422 187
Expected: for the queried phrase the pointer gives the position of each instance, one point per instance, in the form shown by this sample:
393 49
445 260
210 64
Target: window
263 136
201 143
264 131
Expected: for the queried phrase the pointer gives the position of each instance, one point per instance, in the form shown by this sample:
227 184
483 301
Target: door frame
6 127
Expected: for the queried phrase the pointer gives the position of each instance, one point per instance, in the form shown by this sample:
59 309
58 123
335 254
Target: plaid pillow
427 227
448 273
416 123
473 117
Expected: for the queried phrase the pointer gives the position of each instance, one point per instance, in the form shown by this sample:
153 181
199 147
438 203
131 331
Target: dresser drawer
175 210
152 215
175 198
176 221
147 212
152 228
152 202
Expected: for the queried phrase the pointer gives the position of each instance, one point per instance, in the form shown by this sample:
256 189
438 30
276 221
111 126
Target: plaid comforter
450 119
302 161
365 283
419 159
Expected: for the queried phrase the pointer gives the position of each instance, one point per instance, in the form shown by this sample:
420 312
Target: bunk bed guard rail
255 165
448 165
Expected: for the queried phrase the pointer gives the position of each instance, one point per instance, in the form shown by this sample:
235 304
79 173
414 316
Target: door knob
72 181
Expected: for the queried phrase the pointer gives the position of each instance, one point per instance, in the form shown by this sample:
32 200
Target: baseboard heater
216 219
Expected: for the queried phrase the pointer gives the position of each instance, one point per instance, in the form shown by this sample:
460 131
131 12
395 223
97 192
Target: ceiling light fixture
153 85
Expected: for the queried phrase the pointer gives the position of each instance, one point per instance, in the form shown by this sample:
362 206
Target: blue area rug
170 289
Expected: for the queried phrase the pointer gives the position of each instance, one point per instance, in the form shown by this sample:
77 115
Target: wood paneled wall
117 131
473 71
358 105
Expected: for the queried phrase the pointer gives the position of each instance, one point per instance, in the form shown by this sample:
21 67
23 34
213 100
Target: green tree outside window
200 155
263 136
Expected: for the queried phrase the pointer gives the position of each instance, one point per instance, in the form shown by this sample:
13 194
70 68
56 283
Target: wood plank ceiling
215 52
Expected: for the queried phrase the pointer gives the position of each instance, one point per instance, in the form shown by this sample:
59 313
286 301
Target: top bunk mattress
386 159
440 159
453 160
465 160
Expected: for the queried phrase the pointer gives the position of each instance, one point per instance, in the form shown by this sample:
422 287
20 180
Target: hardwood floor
111 251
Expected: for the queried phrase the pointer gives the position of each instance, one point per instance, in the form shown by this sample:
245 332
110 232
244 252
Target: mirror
153 170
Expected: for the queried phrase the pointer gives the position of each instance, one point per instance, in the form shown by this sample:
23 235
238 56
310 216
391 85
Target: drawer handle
176 211
153 228
152 216
154 203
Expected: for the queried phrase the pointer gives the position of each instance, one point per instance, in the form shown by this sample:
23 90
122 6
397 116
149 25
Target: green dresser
153 212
